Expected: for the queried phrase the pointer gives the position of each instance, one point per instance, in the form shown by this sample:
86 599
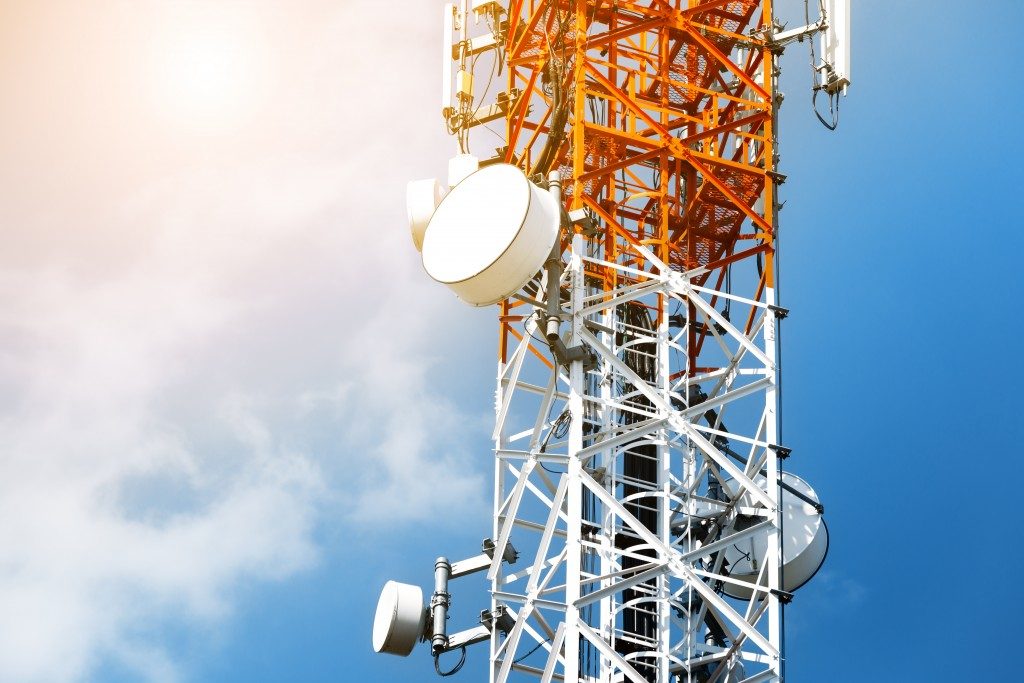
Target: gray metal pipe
553 268
439 604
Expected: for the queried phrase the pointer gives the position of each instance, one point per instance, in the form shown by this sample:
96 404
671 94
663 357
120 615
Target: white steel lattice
571 507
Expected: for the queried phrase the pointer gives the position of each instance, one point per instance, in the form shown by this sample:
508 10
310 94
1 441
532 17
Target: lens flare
205 75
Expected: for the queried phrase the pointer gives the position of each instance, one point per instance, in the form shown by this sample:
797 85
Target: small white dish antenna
490 235
804 545
401 619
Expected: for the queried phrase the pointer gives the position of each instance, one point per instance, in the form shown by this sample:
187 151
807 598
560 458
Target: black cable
816 87
833 107
539 646
728 290
560 101
560 428
494 23
745 556
455 669
495 69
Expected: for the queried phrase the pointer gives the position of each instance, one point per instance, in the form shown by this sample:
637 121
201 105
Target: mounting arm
440 601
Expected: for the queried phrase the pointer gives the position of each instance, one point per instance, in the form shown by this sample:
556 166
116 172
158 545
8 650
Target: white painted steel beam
571 526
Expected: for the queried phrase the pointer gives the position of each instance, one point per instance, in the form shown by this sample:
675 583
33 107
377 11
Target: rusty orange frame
683 148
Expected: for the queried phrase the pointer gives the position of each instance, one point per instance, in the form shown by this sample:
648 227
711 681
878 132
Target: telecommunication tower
626 229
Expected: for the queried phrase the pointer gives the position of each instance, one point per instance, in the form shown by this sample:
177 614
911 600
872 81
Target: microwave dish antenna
401 619
804 542
490 235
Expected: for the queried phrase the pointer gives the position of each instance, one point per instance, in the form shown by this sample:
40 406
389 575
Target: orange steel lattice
660 117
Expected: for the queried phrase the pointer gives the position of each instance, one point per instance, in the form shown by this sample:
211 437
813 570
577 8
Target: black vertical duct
639 474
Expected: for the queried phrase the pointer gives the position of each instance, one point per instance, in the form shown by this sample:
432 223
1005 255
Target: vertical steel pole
439 604
574 555
774 556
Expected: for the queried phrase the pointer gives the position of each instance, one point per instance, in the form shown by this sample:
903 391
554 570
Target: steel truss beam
676 564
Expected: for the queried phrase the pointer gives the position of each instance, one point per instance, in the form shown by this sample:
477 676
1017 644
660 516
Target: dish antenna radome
401 619
490 235
804 541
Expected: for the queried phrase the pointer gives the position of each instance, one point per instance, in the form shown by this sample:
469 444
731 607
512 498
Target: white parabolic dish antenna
490 235
804 544
400 619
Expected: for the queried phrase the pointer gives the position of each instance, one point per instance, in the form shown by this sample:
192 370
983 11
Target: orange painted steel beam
658 145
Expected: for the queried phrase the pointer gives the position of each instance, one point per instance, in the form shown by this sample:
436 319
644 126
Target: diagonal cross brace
711 598
678 423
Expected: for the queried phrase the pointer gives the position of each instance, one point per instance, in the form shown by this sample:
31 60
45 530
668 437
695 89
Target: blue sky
231 396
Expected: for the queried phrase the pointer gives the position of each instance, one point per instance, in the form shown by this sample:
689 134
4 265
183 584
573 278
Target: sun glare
204 76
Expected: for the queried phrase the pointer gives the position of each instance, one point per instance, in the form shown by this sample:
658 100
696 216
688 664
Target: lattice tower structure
635 482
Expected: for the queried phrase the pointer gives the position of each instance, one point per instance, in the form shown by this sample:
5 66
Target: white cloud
839 591
155 445
109 514
199 363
